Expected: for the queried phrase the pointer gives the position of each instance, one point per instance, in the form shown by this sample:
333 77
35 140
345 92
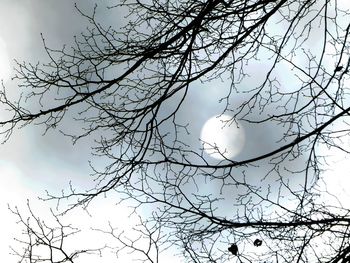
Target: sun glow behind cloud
222 137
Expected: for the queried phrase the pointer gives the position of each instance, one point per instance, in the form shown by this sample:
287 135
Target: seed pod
257 242
339 68
233 249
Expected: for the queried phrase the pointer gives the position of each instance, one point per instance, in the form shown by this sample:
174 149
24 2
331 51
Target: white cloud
13 192
5 67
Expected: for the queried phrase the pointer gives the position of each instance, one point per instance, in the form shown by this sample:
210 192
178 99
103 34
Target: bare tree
41 242
130 86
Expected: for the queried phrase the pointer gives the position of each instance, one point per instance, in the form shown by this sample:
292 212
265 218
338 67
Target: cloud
5 68
14 192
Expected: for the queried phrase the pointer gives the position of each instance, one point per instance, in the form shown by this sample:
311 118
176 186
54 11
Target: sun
221 138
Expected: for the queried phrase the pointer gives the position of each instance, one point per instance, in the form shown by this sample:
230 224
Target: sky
31 163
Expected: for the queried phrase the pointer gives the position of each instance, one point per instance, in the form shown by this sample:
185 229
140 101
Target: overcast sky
30 163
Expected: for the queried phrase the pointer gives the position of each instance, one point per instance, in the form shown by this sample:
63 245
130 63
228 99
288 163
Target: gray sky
21 24
30 163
